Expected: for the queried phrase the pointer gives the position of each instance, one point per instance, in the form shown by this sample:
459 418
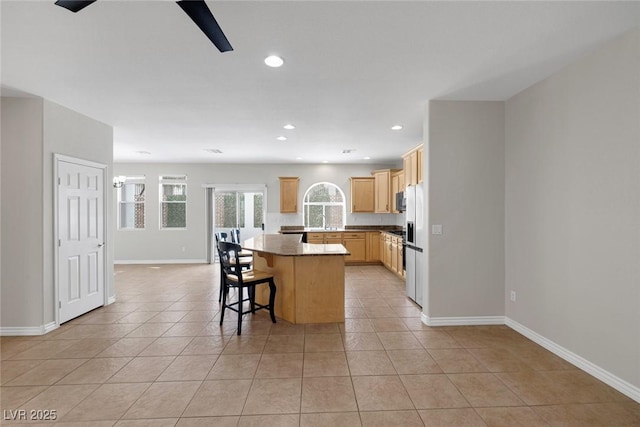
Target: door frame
210 208
57 158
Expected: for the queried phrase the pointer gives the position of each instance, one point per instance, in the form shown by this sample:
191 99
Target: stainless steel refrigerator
414 242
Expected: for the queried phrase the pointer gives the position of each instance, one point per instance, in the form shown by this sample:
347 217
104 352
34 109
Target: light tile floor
158 357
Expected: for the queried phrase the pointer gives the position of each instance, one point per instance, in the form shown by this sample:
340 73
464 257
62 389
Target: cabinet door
382 191
386 255
400 269
394 254
288 194
397 185
373 246
362 191
420 164
413 176
406 165
357 247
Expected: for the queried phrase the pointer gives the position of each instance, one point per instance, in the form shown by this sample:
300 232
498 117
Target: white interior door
80 239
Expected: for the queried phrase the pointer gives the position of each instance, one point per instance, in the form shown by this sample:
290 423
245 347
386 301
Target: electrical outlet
436 229
513 296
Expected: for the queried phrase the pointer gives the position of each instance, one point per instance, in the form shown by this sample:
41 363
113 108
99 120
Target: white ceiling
352 69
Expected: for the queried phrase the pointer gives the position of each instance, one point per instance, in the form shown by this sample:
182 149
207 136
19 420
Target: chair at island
246 262
234 277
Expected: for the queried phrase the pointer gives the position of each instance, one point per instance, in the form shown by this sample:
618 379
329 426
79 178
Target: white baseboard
111 300
160 261
27 330
603 375
462 321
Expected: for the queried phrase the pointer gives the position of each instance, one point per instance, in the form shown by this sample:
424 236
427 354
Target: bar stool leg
240 309
223 295
272 299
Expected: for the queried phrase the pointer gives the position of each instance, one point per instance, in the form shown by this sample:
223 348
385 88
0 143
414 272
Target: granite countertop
349 228
291 245
395 230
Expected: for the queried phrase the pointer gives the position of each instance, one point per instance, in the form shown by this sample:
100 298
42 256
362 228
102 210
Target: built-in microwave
401 201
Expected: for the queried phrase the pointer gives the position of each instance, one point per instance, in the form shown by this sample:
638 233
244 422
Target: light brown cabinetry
413 163
332 238
373 246
288 194
386 254
420 152
356 244
397 185
317 238
382 180
362 194
391 252
383 197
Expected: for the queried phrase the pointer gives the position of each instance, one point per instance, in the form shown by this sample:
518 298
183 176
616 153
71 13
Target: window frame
132 179
169 179
305 204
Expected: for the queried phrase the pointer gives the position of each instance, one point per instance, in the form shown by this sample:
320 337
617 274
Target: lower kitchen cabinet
373 246
332 238
356 243
317 238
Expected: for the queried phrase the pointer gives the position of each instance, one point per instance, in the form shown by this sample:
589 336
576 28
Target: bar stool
245 262
234 277
235 238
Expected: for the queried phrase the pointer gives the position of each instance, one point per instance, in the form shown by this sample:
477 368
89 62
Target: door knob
100 245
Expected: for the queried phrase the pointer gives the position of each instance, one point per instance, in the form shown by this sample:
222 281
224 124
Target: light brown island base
309 277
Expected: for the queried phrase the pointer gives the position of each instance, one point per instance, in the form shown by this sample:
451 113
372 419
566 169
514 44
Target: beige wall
466 196
154 244
32 131
21 288
573 208
72 134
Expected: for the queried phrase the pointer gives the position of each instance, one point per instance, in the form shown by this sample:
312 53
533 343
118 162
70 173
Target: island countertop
291 245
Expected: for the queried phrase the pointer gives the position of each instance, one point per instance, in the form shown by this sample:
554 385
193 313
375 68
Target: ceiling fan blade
73 5
202 16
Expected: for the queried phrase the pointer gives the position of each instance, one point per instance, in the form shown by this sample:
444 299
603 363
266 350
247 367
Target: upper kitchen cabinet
420 166
397 185
383 197
412 164
362 194
289 194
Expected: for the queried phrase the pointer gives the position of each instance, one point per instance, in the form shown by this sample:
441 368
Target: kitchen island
309 277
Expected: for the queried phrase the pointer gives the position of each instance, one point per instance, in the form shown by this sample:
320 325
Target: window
324 206
131 198
173 201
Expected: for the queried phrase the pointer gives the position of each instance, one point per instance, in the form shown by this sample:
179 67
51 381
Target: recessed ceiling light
274 61
396 127
367 158
289 127
298 158
281 138
325 161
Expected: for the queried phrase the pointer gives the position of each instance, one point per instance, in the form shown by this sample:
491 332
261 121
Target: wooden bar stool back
235 277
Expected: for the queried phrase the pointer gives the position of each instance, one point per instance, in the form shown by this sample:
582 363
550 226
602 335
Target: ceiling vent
213 150
348 151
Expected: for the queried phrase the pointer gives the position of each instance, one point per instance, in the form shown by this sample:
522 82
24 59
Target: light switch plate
436 229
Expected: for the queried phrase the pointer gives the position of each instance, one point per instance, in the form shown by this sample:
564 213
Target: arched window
324 206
